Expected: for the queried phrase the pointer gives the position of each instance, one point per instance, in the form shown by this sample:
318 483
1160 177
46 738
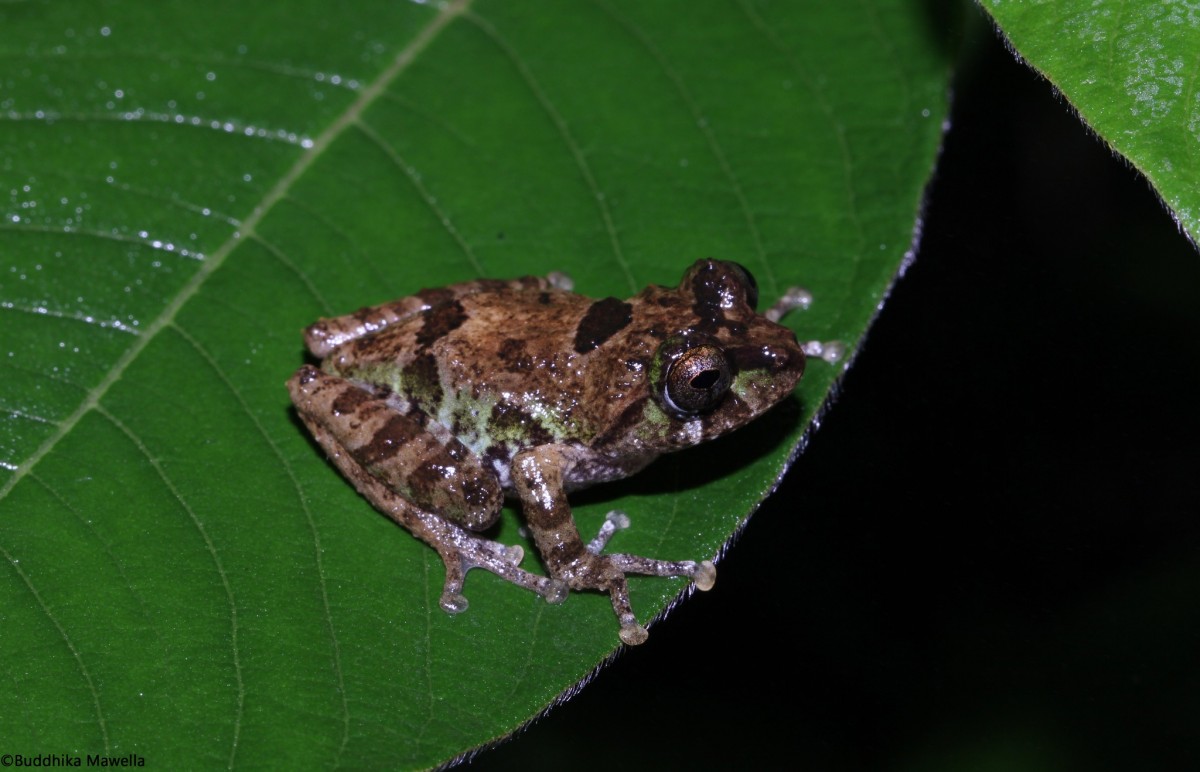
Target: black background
989 555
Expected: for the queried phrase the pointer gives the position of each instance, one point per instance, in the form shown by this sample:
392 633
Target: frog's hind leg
351 426
459 549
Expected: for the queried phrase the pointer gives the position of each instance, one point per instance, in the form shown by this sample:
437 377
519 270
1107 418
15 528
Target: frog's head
728 366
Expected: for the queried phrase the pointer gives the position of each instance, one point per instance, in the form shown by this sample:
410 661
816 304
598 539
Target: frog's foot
462 550
798 297
613 568
831 351
560 280
793 298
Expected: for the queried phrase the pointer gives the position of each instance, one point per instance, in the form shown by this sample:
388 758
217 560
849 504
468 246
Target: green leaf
190 184
1130 70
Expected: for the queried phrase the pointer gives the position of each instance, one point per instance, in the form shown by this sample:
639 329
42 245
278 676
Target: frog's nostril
777 357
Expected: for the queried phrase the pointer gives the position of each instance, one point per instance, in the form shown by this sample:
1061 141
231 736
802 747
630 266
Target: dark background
989 556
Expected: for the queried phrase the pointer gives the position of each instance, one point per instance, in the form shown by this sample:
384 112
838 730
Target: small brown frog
438 405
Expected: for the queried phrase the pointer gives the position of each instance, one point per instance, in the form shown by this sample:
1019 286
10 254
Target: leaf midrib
248 228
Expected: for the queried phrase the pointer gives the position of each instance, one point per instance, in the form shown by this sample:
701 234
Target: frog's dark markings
426 479
427 386
544 299
513 352
476 493
499 453
306 375
508 421
440 321
406 407
603 319
363 314
388 440
435 296
349 401
456 450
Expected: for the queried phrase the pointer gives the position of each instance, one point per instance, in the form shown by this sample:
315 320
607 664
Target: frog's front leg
538 475
433 486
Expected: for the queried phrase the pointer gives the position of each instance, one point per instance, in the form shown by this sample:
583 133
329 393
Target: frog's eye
691 374
747 279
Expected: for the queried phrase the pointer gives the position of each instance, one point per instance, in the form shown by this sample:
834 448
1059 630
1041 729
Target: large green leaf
1129 68
190 184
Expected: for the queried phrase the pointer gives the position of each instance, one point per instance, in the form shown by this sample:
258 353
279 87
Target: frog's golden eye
690 374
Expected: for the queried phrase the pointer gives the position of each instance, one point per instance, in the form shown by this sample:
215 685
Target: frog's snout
771 358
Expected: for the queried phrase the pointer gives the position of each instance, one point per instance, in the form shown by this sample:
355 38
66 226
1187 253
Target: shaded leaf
1129 69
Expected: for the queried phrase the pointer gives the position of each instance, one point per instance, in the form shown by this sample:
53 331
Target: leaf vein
14 563
822 101
710 137
560 124
341 233
156 465
287 263
308 517
414 178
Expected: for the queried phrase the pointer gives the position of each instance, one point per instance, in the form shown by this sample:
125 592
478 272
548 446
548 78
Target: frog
440 406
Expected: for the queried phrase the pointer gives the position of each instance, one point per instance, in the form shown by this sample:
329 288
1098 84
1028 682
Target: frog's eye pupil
697 381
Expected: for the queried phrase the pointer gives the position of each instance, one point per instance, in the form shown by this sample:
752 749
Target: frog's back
498 367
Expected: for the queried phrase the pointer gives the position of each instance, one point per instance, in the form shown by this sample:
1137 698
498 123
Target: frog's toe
555 592
453 602
614 521
632 634
560 280
705 576
793 298
831 351
515 555
704 573
470 551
